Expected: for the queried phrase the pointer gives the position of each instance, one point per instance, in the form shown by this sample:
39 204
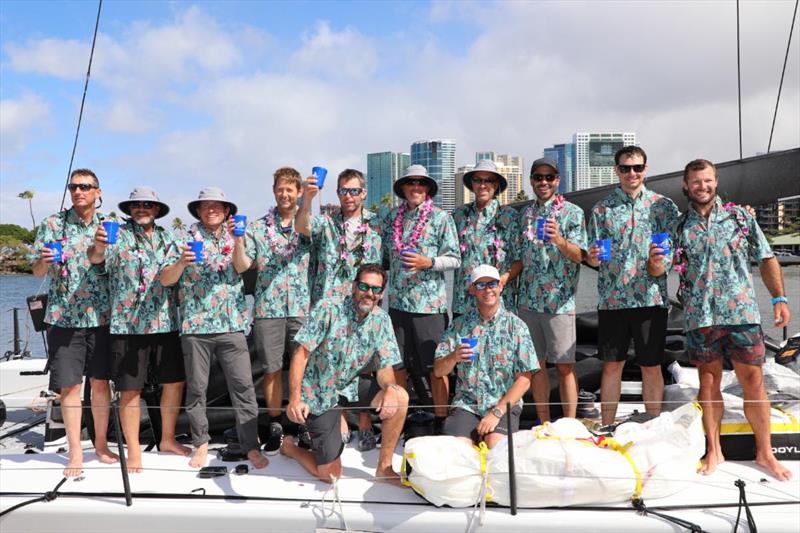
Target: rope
336 500
739 77
46 497
783 72
639 505
83 101
484 494
751 523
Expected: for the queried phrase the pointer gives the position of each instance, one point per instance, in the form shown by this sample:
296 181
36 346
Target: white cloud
61 58
18 119
344 54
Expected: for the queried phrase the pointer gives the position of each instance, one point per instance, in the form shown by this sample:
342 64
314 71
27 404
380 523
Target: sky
189 94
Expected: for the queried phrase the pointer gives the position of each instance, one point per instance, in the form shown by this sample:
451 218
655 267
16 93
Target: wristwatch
433 262
497 412
779 299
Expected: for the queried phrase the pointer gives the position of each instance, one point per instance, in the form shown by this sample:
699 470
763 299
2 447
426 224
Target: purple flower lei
416 233
272 236
362 229
226 252
555 210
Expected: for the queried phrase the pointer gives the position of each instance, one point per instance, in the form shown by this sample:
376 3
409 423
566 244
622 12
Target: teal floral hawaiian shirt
504 350
486 237
337 262
140 304
623 282
713 256
340 346
549 280
78 294
282 288
420 292
211 300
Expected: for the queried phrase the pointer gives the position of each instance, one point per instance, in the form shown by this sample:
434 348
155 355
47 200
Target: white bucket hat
211 194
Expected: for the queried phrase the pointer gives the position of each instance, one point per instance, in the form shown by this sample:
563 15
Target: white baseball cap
484 271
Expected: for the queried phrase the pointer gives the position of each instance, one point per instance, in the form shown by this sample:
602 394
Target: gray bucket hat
549 161
211 194
486 165
144 194
416 172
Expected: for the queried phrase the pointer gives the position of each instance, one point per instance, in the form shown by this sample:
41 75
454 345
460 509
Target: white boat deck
168 496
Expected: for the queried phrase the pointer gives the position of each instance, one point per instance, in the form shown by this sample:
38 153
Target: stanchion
512 476
123 463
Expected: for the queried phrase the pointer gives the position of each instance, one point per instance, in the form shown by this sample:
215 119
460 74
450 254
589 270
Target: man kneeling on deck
337 341
495 372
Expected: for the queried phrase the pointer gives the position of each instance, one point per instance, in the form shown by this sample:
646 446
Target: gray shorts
274 341
463 423
553 335
417 335
78 352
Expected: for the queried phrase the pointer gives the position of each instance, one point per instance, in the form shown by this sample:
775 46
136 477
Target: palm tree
386 200
521 197
178 225
28 195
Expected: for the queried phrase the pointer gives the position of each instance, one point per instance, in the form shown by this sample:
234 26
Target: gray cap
211 194
416 172
144 194
549 161
486 165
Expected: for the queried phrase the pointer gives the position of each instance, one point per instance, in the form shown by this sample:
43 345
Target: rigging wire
83 101
739 77
783 72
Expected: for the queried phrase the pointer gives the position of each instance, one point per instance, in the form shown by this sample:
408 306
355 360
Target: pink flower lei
226 252
65 255
363 244
530 213
416 233
272 236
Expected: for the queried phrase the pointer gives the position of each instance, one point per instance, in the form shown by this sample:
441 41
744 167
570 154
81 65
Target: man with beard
715 243
551 266
281 256
495 373
214 317
632 303
342 243
421 243
337 341
487 233
77 315
144 319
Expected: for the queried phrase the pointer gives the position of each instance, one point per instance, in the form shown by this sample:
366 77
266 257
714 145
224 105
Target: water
15 289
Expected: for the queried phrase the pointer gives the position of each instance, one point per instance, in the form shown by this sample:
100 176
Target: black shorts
77 352
647 326
134 356
325 429
463 423
417 334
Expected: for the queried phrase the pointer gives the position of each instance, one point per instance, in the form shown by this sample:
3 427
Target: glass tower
438 156
383 169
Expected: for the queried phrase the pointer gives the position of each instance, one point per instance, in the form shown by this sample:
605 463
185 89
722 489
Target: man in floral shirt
420 242
551 266
342 243
487 233
144 318
281 256
214 316
494 374
337 341
632 302
714 246
77 313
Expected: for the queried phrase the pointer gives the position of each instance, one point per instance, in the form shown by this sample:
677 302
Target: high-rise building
383 169
594 157
778 216
564 154
510 166
463 195
438 156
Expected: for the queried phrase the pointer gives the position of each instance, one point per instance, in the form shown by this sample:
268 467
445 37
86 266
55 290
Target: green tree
386 200
178 224
522 196
28 195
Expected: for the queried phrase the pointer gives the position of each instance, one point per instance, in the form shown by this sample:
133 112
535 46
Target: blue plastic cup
112 229
58 249
473 343
411 250
197 248
320 173
540 233
662 241
239 225
605 249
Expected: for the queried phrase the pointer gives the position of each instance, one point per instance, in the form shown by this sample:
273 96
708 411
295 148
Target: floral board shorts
742 344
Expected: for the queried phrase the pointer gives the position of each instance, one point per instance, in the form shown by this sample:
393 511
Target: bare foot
105 455
134 462
258 460
710 463
388 475
289 446
173 446
774 467
74 466
199 457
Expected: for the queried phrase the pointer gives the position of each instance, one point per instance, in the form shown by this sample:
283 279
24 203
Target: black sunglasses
540 177
416 182
82 186
352 191
624 169
142 205
483 181
363 287
481 285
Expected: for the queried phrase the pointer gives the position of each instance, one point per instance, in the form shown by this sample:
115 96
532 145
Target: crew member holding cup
488 340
